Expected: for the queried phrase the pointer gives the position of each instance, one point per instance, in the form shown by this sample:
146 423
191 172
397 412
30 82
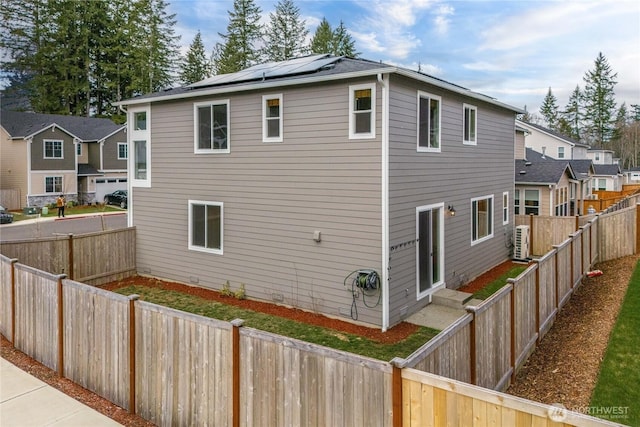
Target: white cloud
441 20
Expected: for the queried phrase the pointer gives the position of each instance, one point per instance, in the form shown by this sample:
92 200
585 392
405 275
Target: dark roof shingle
88 129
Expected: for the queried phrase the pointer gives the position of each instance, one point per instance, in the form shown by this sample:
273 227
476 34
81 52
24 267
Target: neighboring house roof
87 129
610 170
307 69
552 133
85 169
583 168
540 170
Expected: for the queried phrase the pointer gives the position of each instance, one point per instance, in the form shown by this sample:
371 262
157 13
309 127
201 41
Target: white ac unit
521 242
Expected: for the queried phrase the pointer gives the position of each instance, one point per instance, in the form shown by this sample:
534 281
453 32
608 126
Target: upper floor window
516 202
428 122
79 148
52 149
205 226
362 111
211 127
53 184
561 152
481 219
123 150
272 118
505 208
470 124
140 140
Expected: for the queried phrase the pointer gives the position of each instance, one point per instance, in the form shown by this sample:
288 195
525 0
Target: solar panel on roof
305 64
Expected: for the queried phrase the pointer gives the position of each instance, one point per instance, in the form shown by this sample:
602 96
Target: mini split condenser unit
521 242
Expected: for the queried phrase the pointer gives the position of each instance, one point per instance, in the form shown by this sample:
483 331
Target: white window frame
44 149
505 208
430 148
193 247
79 148
196 126
54 177
120 144
475 240
265 119
472 109
531 208
561 153
352 112
139 135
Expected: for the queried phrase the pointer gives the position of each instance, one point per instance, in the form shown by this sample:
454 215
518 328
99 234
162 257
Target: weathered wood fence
175 368
489 344
93 258
10 199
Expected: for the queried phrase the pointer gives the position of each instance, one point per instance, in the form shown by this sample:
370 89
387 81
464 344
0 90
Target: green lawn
498 283
617 393
278 325
74 210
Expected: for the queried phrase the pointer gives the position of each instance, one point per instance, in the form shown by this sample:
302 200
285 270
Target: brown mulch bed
488 277
563 369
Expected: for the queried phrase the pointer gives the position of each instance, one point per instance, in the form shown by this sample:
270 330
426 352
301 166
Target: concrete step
451 298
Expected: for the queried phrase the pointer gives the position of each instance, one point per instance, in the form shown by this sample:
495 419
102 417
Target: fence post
13 300
637 248
512 301
472 345
60 326
537 300
556 275
132 352
235 338
531 233
577 227
396 393
71 256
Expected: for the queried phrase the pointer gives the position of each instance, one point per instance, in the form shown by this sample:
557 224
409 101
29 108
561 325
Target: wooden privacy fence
176 368
10 199
93 258
488 345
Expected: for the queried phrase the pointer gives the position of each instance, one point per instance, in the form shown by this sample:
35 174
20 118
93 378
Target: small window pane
273 128
220 126
198 224
363 122
204 128
213 227
140 120
362 100
140 171
434 120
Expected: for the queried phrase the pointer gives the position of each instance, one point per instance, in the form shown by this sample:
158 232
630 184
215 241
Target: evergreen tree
322 41
244 32
599 102
549 110
286 34
571 116
343 43
195 66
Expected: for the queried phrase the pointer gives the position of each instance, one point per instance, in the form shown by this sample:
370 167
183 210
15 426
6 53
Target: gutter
385 201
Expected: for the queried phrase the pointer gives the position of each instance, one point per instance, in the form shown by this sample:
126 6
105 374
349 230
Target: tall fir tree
337 42
572 115
549 110
599 102
195 65
322 40
240 48
286 33
343 43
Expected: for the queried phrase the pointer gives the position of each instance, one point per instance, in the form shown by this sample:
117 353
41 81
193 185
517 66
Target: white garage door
109 185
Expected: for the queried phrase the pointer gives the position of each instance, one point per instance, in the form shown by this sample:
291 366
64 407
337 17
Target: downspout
385 201
29 160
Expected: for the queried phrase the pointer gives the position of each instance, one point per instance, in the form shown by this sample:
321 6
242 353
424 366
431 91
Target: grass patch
282 326
75 210
495 285
616 396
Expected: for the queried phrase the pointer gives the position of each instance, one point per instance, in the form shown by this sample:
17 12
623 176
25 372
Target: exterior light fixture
452 211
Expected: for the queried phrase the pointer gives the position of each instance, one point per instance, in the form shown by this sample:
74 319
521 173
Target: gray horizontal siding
110 152
453 176
38 162
275 195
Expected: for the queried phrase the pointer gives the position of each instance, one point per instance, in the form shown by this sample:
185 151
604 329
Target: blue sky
511 50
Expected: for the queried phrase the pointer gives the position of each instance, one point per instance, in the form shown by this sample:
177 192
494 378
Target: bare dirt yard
563 369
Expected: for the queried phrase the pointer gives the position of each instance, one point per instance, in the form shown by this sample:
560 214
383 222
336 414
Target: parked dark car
118 197
5 216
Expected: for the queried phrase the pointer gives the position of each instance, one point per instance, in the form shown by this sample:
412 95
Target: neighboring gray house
45 155
553 144
607 177
290 178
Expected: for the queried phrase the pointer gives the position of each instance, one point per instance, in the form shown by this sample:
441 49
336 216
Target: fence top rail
52 238
93 290
562 245
7 260
103 233
618 211
39 273
548 255
435 342
155 308
500 399
327 352
493 299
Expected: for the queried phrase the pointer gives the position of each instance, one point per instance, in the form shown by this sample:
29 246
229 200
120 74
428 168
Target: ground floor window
481 218
205 226
532 202
53 184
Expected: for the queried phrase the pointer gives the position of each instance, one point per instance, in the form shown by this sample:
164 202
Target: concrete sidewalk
28 401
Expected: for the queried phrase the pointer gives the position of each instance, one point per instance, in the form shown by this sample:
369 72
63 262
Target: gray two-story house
45 155
299 179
